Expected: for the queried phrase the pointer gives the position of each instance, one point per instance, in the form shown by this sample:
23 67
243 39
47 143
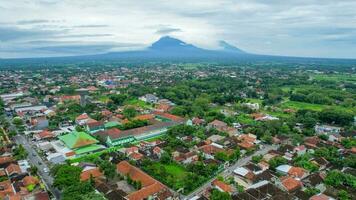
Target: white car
46 170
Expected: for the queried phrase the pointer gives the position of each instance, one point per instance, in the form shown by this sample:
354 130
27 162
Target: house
321 197
315 180
149 98
218 125
157 151
151 188
326 129
30 180
291 184
13 170
80 143
296 172
82 119
6 189
93 126
91 173
210 150
300 150
44 135
252 106
197 121
221 186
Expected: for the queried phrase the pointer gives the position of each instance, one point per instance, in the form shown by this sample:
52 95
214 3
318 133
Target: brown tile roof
291 184
95 173
30 180
320 197
46 134
296 172
14 197
82 116
13 168
6 189
144 117
5 159
223 186
210 149
169 116
150 186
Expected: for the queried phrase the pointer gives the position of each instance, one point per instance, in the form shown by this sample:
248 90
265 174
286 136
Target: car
39 163
46 170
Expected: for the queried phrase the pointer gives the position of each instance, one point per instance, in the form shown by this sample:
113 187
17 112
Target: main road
37 161
229 170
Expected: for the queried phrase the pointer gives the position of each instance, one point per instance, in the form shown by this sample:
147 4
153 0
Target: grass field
137 102
315 107
336 77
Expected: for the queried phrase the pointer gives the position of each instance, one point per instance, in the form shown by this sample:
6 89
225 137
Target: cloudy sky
312 28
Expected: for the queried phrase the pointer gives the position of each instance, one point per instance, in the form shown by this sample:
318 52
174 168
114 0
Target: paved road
229 170
37 161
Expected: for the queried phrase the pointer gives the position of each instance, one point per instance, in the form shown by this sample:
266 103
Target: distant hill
172 49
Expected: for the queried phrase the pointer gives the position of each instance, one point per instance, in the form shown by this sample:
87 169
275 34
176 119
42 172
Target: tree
217 195
257 158
108 168
66 176
343 195
277 161
129 112
17 121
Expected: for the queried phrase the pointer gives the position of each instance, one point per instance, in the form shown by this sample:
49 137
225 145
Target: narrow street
228 171
37 161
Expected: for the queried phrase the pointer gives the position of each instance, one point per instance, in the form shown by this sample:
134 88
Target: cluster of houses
17 180
286 181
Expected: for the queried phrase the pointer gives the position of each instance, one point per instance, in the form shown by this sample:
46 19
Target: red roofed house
13 170
297 172
45 135
82 119
95 173
321 197
151 188
6 189
30 180
291 184
223 187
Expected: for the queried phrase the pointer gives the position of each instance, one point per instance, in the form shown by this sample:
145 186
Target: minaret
83 93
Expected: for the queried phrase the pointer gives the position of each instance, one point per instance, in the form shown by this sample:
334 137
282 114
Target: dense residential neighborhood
177 132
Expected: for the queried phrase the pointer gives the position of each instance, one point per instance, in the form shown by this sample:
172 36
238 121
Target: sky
307 28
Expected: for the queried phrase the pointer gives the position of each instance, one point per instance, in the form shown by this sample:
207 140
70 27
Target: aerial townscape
177 100
174 131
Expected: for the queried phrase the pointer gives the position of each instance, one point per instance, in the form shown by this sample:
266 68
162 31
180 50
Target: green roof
111 124
87 149
77 139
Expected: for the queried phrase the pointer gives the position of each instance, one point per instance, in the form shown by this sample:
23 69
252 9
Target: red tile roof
223 186
291 184
46 134
144 117
296 172
5 159
30 180
13 168
320 197
82 116
95 173
169 116
210 149
6 189
150 186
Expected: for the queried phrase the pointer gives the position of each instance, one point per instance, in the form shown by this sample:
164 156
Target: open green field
315 107
137 102
175 174
336 77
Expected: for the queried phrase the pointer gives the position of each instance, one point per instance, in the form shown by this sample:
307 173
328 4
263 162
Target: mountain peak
228 47
168 42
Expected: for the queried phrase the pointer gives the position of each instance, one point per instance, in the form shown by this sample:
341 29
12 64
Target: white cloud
296 27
